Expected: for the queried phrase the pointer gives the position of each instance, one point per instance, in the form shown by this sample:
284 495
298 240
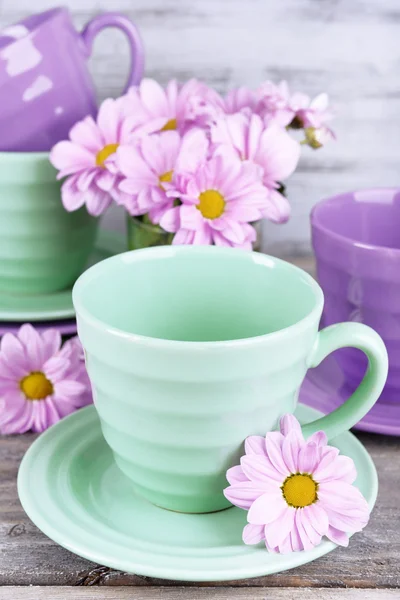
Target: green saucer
72 490
51 307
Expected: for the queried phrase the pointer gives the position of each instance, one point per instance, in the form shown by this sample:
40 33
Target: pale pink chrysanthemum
269 147
40 381
84 159
219 201
240 99
148 169
177 107
273 102
296 491
311 113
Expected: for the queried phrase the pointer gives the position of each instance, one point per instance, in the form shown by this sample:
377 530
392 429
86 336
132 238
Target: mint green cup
43 248
192 349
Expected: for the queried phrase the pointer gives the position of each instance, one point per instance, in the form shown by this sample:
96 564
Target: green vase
146 235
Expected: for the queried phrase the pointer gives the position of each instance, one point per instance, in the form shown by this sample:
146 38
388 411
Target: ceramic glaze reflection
356 239
43 67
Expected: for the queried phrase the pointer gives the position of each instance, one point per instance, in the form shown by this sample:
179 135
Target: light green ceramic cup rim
169 251
24 156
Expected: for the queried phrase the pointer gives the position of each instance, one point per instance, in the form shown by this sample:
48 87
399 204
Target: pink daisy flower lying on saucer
219 201
85 159
296 491
40 381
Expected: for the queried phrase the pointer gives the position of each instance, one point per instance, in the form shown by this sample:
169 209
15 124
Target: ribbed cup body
176 413
176 421
43 248
354 237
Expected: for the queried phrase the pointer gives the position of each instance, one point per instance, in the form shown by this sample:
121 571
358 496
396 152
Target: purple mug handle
121 22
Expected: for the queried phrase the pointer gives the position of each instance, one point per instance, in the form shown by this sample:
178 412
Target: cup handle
111 19
366 339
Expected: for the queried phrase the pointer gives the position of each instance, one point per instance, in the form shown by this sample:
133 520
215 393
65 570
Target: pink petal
318 517
340 495
51 339
67 387
183 236
255 444
258 468
85 133
96 201
319 438
266 509
273 444
71 158
306 519
277 530
337 536
190 217
203 236
56 368
278 154
253 534
193 151
84 179
105 180
342 467
289 423
108 121
154 99
244 493
305 540
277 208
34 346
13 359
308 457
171 219
290 450
72 197
236 475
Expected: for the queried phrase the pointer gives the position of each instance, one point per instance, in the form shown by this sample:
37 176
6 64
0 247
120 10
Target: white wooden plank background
350 49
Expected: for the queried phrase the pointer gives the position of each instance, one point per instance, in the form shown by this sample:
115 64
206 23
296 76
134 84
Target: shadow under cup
356 240
181 365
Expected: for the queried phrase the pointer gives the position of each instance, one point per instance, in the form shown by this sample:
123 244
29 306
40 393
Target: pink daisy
311 113
84 159
219 200
240 99
178 106
269 147
296 491
148 168
274 103
40 381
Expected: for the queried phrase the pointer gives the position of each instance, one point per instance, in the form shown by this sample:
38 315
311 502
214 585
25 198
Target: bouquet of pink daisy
188 165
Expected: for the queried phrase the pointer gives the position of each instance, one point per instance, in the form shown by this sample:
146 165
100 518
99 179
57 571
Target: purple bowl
356 240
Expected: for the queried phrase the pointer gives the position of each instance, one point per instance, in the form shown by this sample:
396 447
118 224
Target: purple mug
356 242
45 85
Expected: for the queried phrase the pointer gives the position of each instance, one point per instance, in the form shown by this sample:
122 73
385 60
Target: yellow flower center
170 125
104 153
300 490
211 204
36 386
165 178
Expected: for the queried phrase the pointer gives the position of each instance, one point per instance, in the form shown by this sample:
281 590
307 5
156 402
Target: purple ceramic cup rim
342 238
34 22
